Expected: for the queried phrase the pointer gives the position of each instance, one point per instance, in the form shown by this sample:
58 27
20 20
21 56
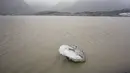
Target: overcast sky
51 2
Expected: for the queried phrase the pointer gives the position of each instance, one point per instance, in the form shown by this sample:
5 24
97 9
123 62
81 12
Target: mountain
98 5
122 12
53 13
14 7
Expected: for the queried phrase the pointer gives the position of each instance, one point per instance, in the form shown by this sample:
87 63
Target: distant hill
103 13
53 13
86 13
14 7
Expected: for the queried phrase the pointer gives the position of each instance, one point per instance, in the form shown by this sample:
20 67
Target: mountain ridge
14 7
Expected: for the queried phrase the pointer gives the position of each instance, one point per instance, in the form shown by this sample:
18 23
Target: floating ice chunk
72 53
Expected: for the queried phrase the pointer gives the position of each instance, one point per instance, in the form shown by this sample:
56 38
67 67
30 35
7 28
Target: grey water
29 44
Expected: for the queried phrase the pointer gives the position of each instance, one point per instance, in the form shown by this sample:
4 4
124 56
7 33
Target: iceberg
72 53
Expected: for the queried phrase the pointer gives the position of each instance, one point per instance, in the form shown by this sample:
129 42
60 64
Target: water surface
29 44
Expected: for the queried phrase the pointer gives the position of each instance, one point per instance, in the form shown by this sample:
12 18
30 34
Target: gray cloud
99 5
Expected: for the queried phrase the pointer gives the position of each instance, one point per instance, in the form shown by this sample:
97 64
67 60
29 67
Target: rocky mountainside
14 7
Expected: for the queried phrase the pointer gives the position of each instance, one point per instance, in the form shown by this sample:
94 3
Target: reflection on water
29 44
